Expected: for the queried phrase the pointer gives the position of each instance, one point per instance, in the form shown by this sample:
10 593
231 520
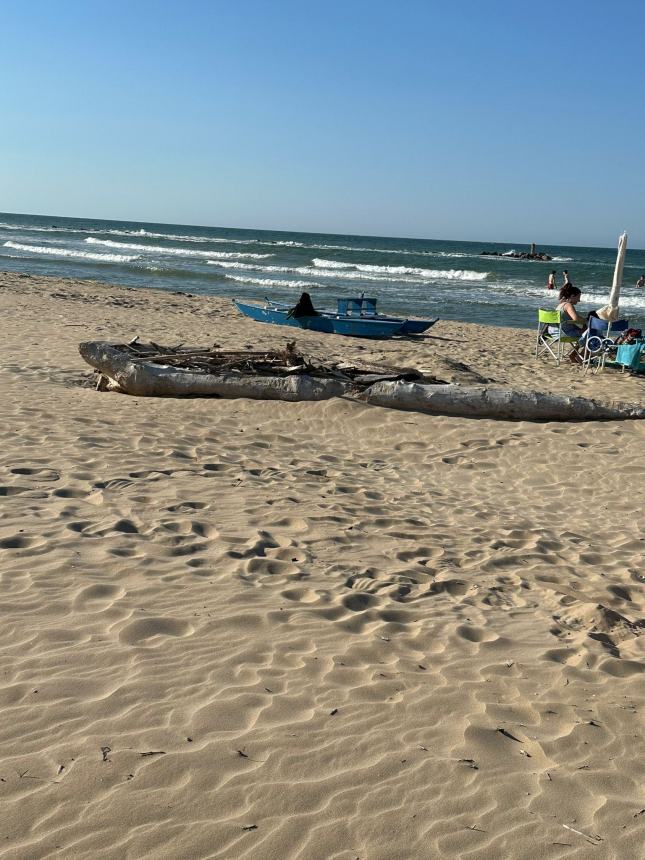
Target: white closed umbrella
611 310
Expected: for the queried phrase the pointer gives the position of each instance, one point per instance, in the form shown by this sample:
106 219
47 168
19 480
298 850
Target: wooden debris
593 840
242 754
266 362
149 370
508 735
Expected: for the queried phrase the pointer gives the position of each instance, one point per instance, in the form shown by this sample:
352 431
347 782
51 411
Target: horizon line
307 232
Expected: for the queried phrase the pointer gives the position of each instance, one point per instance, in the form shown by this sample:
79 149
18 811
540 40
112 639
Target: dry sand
236 629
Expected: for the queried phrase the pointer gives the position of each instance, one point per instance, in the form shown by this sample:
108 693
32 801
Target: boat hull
408 326
416 326
348 326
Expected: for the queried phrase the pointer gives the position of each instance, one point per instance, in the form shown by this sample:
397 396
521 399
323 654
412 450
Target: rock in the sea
521 255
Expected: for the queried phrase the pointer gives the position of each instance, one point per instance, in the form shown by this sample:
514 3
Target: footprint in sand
96 598
115 484
66 493
212 468
37 474
186 507
265 541
421 555
475 634
13 491
145 630
301 595
453 587
20 542
270 567
88 528
359 601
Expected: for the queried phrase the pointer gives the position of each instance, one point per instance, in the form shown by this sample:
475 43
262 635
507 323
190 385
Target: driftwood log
479 401
145 379
141 378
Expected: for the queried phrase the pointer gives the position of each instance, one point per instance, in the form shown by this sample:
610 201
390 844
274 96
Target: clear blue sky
464 120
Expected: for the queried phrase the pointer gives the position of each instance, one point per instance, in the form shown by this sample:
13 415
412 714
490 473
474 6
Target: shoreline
251 629
452 351
424 278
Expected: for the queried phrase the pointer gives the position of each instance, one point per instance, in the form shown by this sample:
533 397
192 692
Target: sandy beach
249 629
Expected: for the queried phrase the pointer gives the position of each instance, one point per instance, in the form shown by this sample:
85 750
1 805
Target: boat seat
356 306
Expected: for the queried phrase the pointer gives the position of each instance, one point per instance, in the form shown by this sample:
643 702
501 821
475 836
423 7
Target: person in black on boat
304 308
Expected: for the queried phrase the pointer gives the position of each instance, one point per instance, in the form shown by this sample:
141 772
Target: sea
412 277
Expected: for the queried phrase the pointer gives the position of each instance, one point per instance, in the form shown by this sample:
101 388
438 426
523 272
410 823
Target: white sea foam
55 228
272 282
430 274
456 254
303 270
177 237
405 251
68 252
179 252
332 264
347 271
252 267
280 243
598 300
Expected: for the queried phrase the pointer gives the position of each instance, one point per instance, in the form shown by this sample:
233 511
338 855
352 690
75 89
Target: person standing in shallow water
641 281
567 279
550 284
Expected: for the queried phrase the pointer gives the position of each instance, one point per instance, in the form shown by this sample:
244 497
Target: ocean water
448 279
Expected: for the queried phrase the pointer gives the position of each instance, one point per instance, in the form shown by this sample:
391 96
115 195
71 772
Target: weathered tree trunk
477 401
144 379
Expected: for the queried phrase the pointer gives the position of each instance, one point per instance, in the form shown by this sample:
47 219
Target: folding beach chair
600 341
551 344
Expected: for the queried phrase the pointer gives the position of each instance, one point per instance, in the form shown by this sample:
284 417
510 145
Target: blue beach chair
600 340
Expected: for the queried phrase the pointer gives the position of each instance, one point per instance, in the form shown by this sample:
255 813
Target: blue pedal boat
365 307
354 317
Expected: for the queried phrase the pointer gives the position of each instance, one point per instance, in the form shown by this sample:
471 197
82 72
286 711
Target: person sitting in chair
572 323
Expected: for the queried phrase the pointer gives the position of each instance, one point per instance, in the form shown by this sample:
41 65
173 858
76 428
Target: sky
464 120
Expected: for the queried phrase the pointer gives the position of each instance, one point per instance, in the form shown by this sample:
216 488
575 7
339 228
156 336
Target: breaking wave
347 271
272 282
252 267
68 252
180 252
431 274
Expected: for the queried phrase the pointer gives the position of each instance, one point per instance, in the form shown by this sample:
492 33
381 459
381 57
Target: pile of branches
285 362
